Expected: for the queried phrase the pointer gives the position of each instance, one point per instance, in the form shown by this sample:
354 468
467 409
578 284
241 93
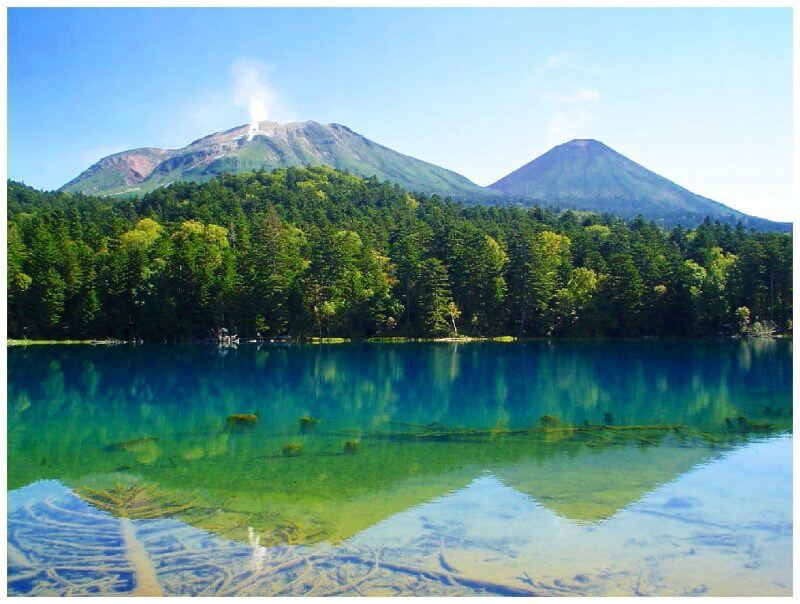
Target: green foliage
317 252
742 320
436 304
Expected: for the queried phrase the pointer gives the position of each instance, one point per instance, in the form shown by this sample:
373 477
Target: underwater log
128 445
241 421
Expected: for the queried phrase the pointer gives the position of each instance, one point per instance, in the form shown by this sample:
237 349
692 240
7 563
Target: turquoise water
656 467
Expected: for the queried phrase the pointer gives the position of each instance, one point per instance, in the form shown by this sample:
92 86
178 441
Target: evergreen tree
315 251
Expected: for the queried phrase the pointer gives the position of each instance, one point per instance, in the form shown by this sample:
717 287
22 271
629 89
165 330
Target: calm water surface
552 468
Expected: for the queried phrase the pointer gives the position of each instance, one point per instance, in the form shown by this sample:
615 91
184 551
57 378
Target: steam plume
252 91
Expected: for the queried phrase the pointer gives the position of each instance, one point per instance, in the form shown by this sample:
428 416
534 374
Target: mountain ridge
582 174
269 145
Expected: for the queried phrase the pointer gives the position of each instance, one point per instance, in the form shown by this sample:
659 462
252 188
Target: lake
622 467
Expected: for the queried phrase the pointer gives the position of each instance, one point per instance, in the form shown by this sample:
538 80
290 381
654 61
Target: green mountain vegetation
272 145
588 175
319 252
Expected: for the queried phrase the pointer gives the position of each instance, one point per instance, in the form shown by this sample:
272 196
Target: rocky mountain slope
269 145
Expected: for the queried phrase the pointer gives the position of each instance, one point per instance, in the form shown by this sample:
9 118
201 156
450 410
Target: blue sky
701 96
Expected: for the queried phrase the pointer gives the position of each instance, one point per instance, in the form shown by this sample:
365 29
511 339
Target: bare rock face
120 171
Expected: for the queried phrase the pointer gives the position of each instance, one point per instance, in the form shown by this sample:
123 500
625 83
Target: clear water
660 467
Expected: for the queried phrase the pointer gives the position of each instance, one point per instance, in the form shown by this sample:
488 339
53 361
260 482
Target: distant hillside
588 175
270 145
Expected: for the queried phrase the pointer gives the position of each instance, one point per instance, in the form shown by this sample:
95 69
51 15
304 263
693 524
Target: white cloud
574 97
566 125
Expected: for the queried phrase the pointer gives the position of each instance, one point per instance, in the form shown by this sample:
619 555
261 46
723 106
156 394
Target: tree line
318 252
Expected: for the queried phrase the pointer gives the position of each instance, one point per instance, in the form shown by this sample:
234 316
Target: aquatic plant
351 447
292 450
549 421
307 423
241 421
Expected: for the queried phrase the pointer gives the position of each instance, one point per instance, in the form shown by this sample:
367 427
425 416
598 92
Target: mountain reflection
93 417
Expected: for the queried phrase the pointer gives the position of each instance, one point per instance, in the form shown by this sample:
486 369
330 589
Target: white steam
252 91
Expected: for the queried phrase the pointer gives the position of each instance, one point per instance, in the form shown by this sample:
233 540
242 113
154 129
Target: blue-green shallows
656 467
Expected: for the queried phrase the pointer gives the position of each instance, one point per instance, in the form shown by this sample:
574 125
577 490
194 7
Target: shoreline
18 342
312 340
378 340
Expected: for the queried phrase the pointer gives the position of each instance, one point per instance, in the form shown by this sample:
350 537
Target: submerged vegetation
313 252
351 447
307 423
292 449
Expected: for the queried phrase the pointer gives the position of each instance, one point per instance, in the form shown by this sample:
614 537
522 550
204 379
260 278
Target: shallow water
664 468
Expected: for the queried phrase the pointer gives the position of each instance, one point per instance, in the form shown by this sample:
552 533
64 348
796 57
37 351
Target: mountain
585 174
582 174
269 145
